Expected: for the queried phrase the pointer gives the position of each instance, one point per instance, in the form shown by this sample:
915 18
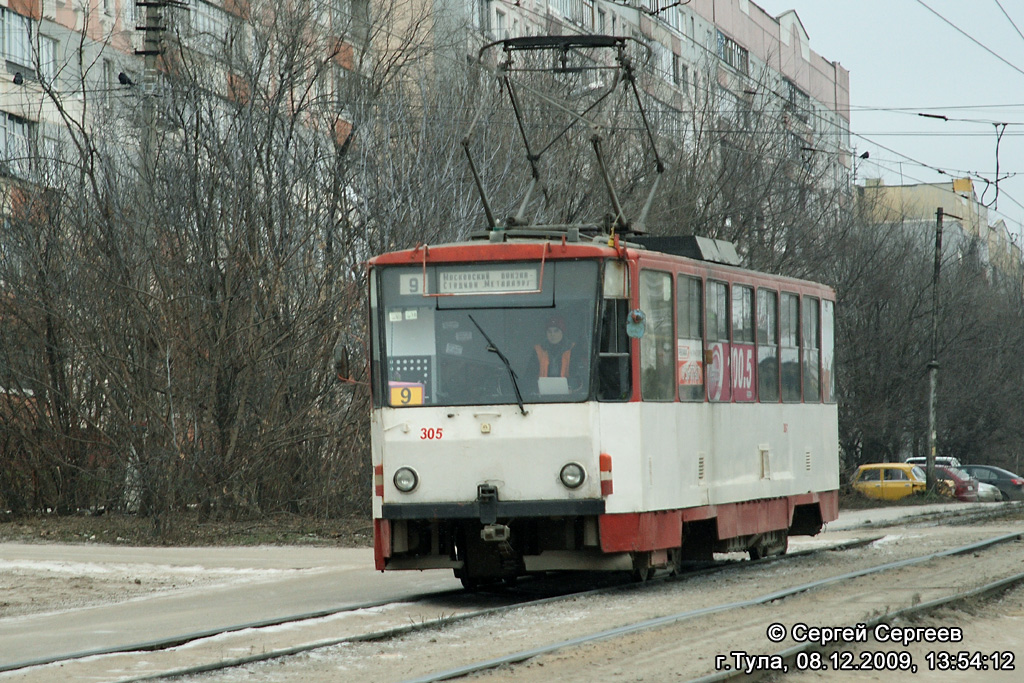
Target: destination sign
490 281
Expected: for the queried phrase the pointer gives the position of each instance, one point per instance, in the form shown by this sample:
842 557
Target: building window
730 52
47 58
500 25
17 36
798 101
484 16
680 72
209 26
109 82
16 144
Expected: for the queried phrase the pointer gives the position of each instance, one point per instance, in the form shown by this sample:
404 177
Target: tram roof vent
692 246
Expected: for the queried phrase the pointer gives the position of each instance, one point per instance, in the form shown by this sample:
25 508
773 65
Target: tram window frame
657 345
789 347
717 332
828 351
743 376
690 337
376 343
614 367
767 332
810 348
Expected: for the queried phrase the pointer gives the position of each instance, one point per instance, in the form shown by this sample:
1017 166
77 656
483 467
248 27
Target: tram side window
742 351
790 338
811 349
718 341
828 354
767 346
613 355
657 346
689 338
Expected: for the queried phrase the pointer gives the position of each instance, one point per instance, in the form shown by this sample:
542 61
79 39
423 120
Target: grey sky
904 59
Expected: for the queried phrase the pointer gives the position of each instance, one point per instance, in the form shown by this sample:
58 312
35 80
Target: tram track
761 600
213 649
789 656
390 619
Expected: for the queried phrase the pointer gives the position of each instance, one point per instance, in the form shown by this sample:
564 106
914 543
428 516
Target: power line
1010 19
974 40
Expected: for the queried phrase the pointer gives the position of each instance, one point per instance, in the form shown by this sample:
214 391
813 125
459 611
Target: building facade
64 56
731 52
966 221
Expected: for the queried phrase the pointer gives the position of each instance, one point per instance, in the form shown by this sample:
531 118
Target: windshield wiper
508 366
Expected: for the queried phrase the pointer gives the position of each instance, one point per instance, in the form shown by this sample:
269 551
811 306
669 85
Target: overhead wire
813 112
974 40
1009 18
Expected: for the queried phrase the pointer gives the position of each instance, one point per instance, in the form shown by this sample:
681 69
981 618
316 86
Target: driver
554 352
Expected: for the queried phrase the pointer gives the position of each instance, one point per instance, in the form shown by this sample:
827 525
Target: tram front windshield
474 334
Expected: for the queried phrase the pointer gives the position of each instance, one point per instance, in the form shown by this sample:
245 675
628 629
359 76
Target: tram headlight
406 479
573 475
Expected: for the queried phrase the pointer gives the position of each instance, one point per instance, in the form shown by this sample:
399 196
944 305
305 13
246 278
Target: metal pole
933 365
151 49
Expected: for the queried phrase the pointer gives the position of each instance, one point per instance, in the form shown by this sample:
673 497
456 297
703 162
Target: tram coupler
487 503
495 533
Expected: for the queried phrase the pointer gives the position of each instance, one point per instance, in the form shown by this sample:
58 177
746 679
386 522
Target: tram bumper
493 509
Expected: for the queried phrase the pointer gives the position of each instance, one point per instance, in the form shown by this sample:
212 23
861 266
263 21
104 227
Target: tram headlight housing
406 479
572 475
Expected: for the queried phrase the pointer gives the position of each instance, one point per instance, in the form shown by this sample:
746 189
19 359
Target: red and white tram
688 407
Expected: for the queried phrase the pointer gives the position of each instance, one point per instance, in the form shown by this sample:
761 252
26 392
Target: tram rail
120 662
671 619
405 617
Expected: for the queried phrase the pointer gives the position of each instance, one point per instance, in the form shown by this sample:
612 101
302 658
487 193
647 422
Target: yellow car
889 480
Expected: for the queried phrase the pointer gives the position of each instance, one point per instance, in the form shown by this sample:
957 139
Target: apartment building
729 51
966 220
65 60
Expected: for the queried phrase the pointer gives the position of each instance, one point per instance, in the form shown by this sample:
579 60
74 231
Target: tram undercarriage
481 553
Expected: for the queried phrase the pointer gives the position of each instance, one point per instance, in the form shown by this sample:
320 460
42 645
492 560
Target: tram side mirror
636 324
341 364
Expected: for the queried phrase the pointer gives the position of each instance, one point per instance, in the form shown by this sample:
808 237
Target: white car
921 461
987 493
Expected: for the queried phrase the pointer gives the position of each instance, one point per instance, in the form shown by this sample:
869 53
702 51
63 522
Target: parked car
1010 485
922 462
964 487
888 480
987 493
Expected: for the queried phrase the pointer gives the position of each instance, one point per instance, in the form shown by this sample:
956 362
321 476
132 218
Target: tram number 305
431 433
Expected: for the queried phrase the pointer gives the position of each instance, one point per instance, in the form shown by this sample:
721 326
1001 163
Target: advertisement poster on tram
718 373
689 356
742 365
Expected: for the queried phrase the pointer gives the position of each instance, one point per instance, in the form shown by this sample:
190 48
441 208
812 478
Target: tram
549 400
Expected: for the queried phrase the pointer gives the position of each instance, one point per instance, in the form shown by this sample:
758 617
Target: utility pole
152 32
933 365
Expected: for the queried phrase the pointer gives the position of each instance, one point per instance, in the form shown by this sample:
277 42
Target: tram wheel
776 544
642 569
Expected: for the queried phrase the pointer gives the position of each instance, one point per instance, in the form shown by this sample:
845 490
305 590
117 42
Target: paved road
271 582
268 582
